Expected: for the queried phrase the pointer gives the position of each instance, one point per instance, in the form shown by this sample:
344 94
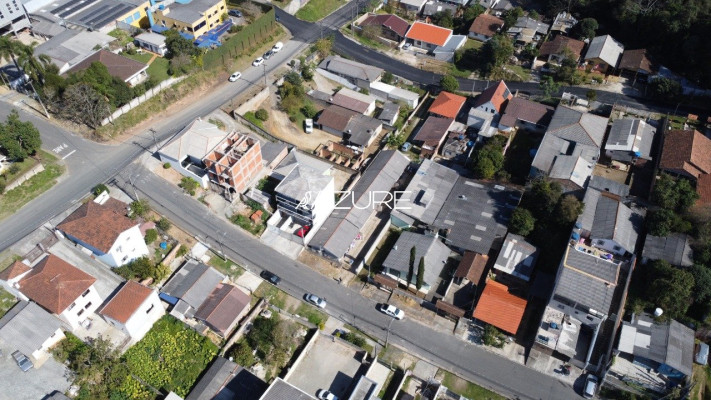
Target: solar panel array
71 7
94 15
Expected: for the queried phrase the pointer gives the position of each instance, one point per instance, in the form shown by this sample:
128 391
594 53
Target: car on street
235 13
315 300
590 387
259 61
235 76
22 361
391 310
270 277
308 125
324 394
268 54
406 46
277 47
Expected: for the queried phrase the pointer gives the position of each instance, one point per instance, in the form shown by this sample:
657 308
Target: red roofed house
494 99
391 26
12 274
686 152
432 134
703 188
554 51
484 27
428 36
130 71
223 309
500 308
61 289
447 105
103 227
133 310
526 114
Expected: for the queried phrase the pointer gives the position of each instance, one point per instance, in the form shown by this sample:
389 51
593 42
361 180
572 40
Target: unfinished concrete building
233 163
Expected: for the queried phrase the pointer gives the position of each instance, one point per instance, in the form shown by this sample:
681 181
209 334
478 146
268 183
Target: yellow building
194 18
136 17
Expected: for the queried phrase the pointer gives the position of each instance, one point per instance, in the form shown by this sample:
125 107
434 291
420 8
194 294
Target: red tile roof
559 44
486 24
497 95
55 284
526 110
119 66
634 60
13 271
447 105
433 131
500 308
472 266
122 306
390 21
686 151
98 225
703 188
429 33
336 117
222 308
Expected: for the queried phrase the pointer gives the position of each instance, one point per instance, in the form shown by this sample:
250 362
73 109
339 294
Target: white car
278 46
324 394
406 46
235 76
315 300
259 61
309 125
391 311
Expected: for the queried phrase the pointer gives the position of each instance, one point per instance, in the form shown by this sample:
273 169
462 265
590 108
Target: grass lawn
311 313
702 387
472 44
159 69
14 199
272 294
6 301
522 73
123 37
227 267
249 116
365 41
467 389
314 10
22 167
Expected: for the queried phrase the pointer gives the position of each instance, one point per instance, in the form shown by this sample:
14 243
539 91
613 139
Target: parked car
309 125
315 300
235 13
235 76
22 361
303 231
277 47
406 46
270 277
406 146
259 61
391 311
702 353
268 54
590 387
324 394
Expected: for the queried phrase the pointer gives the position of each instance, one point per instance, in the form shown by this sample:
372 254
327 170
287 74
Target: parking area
33 384
329 364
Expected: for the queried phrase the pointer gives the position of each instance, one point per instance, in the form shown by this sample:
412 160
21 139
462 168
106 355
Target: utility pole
135 193
37 96
265 75
155 141
222 249
387 337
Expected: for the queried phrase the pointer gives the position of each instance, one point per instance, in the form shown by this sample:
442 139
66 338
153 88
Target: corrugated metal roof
281 390
674 249
193 283
588 280
431 248
26 327
226 380
517 257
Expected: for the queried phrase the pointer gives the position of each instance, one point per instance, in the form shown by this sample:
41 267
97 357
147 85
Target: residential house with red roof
130 71
62 289
428 36
526 114
391 26
432 134
103 227
703 188
447 105
12 274
686 153
554 51
223 309
494 99
133 309
636 62
484 27
500 308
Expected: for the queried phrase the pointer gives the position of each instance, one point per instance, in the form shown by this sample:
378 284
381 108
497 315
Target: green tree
9 49
188 184
178 45
660 222
671 289
511 16
100 188
420 273
262 114
493 337
323 47
411 270
309 110
542 198
395 141
568 209
533 14
449 83
151 236
293 78
139 208
489 159
496 52
307 72
19 139
388 77
567 71
702 283
522 222
665 89
674 193
33 65
242 354
585 29
163 224
591 95
549 87
443 19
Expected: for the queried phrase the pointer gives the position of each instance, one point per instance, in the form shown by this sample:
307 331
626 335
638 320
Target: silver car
391 311
22 361
315 300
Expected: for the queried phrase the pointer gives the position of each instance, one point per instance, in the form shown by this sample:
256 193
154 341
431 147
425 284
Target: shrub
151 236
182 250
98 189
354 338
492 337
309 110
189 185
166 165
449 83
262 114
522 222
14 168
243 354
163 224
139 208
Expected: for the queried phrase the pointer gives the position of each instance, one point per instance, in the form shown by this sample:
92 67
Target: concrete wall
27 175
253 102
140 99
129 246
175 164
88 304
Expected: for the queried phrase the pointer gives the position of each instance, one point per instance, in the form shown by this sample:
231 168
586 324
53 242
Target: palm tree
9 48
34 66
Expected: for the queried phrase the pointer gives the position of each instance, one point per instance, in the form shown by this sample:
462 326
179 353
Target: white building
102 227
385 92
153 42
29 329
13 17
133 310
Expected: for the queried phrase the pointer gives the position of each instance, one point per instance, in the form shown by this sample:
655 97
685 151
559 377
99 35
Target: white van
309 125
278 46
590 386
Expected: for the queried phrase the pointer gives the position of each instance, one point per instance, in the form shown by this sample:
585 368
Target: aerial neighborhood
333 199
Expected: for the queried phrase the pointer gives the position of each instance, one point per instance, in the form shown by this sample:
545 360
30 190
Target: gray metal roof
305 180
351 68
189 12
26 327
193 283
342 226
281 390
271 150
389 112
530 23
226 380
577 126
432 7
476 213
296 159
362 128
155 39
588 280
71 46
674 249
517 257
607 185
364 389
606 217
430 247
606 49
427 191
629 137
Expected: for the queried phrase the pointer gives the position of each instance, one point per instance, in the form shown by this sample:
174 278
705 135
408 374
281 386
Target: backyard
314 10
158 68
518 158
6 302
14 199
466 388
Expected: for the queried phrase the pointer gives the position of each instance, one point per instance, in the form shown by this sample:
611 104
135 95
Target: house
29 329
476 214
389 113
355 129
223 309
636 62
361 75
365 389
556 50
189 287
609 223
471 268
630 139
432 134
133 309
282 390
526 114
14 18
334 119
353 211
570 148
62 289
427 36
516 258
354 101
385 92
101 226
686 153
193 18
485 26
527 30
12 274
500 308
666 348
563 22
604 53
446 52
71 46
273 153
412 6
130 71
391 26
189 147
433 7
674 249
227 380
494 99
153 42
606 185
425 194
447 105
234 163
482 121
703 188
429 247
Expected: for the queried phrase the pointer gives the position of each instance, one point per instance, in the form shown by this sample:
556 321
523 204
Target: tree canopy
449 83
522 222
17 138
671 289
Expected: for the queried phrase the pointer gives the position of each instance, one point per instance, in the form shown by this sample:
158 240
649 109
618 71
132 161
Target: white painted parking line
70 153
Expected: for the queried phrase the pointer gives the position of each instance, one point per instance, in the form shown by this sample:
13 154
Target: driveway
31 385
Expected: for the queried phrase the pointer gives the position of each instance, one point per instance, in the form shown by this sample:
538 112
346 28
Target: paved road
445 350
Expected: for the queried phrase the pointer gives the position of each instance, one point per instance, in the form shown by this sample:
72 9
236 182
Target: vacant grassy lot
314 10
227 267
14 199
465 388
272 294
158 69
6 301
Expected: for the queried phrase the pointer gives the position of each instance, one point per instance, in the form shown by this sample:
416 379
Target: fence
250 36
140 99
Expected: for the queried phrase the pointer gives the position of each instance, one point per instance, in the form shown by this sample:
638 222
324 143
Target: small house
133 309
